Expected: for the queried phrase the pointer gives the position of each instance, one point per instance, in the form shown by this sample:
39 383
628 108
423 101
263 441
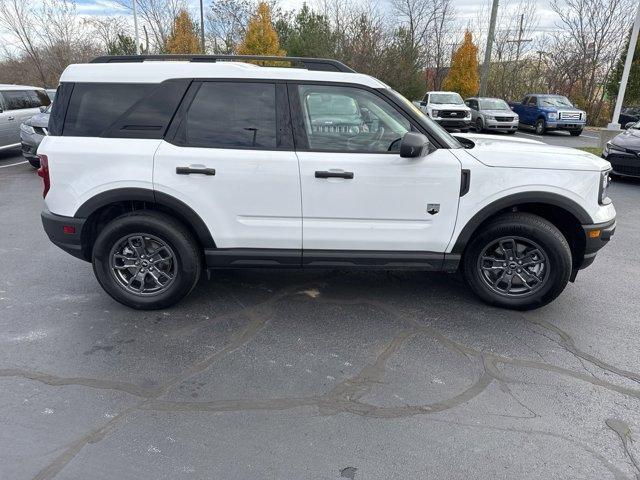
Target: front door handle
200 170
325 174
11 118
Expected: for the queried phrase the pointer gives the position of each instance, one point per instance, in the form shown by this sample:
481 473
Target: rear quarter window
95 106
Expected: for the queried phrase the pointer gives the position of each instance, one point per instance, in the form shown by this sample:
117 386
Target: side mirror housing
414 145
627 126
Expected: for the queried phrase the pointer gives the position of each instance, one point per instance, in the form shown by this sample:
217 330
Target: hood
449 106
629 139
499 151
40 120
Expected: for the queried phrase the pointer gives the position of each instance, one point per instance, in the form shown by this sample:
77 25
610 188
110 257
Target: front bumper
623 163
490 124
454 124
64 232
597 236
30 143
565 125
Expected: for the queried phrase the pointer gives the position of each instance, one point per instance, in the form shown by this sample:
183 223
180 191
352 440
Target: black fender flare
548 198
180 209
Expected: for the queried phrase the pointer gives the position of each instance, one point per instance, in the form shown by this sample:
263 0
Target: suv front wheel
146 260
518 260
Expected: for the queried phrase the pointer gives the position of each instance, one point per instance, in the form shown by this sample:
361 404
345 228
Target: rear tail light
43 172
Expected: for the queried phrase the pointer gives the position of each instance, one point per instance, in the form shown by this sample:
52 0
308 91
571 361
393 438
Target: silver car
492 114
31 134
18 103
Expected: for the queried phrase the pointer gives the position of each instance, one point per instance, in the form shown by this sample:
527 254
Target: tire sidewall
558 264
540 126
187 271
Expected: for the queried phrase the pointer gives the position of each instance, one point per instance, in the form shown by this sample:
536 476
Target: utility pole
202 28
520 40
614 125
135 27
484 76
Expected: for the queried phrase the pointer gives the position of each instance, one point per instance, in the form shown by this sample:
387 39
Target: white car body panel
384 207
82 167
253 200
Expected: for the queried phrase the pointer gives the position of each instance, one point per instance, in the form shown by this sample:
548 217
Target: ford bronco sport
155 170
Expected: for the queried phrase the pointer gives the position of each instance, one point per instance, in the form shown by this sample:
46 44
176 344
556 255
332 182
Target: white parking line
13 164
528 135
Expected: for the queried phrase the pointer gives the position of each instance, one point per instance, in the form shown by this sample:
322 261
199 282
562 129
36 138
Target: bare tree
226 23
440 41
585 50
157 17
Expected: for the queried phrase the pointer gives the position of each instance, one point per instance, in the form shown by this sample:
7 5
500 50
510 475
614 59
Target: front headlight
489 117
434 113
604 186
468 115
552 115
27 128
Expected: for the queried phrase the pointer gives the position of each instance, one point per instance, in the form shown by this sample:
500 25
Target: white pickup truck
448 109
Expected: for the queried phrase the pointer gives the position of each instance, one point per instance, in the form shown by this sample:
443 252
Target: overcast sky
467 10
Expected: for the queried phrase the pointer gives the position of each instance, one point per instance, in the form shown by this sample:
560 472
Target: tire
541 126
35 162
575 133
511 132
553 268
479 125
159 280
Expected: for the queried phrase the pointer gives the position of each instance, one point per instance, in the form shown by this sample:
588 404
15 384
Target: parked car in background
492 114
629 115
623 152
18 103
448 109
544 112
32 132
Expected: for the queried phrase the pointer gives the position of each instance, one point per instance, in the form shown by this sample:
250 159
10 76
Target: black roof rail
323 64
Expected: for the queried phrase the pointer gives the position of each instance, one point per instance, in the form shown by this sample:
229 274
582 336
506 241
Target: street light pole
202 28
614 125
484 76
135 26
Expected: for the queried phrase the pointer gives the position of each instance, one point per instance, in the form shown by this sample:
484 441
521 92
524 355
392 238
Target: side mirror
414 145
423 103
629 125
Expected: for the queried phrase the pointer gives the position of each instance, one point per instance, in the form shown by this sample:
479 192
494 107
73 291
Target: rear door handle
325 174
200 170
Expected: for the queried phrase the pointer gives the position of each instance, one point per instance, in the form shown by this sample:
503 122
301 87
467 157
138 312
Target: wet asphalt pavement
312 375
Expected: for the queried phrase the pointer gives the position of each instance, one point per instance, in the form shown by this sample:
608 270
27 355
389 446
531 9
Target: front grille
504 119
570 115
627 170
26 148
452 113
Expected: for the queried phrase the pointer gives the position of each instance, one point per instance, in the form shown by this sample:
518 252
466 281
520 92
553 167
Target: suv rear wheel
146 260
518 260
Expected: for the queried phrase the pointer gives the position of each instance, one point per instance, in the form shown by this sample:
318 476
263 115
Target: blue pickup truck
544 112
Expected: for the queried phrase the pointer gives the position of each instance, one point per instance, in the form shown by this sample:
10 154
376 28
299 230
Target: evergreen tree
463 75
309 35
261 38
183 38
121 45
632 93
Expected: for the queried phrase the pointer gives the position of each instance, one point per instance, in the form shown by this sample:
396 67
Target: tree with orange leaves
183 38
261 38
463 75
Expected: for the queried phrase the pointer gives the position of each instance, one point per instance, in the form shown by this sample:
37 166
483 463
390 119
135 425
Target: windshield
493 104
441 98
554 101
435 130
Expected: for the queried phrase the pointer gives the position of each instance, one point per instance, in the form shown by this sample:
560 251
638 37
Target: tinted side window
95 106
231 115
17 99
39 98
532 101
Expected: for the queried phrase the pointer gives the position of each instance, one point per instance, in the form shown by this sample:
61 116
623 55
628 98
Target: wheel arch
567 215
107 205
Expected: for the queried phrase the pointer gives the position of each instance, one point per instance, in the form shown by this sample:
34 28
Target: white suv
155 170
